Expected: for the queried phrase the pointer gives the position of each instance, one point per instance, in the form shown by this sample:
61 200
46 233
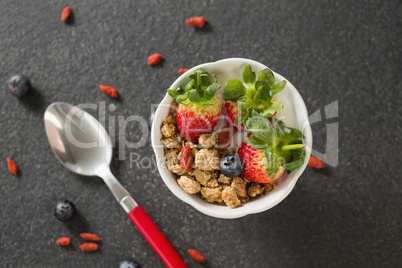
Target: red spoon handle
155 238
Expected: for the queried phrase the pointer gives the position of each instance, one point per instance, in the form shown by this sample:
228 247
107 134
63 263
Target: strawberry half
200 105
194 119
255 165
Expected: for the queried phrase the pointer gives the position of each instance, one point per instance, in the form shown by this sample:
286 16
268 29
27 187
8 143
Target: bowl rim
208 208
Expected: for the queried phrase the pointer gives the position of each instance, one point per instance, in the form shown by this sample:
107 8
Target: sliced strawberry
194 119
255 165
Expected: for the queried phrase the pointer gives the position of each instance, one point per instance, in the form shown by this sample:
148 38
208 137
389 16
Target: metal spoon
83 146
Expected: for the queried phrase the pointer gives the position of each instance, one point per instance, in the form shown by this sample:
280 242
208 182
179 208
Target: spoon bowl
82 143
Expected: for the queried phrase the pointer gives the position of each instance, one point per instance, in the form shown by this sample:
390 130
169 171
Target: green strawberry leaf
239 119
233 90
182 99
193 95
248 76
211 90
275 161
242 106
175 92
260 127
298 159
189 85
198 90
263 91
277 106
277 88
267 76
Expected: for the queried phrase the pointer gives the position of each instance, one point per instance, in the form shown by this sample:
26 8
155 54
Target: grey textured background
344 216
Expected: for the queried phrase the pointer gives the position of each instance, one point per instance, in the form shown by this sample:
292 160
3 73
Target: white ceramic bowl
294 115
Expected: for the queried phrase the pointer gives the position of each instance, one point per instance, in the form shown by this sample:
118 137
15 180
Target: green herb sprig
283 146
254 95
200 89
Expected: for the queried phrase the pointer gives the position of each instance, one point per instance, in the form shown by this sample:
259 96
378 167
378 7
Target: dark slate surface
344 216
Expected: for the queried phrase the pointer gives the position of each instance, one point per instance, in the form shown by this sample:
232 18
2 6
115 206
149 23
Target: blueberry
129 264
64 210
231 166
18 85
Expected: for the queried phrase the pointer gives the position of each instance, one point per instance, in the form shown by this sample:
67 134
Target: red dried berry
12 167
186 160
196 255
110 91
196 21
65 14
87 247
314 162
64 241
183 70
90 237
224 137
154 59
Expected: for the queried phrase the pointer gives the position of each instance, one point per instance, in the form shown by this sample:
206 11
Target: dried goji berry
64 241
65 14
154 59
90 237
314 162
88 247
196 21
186 160
110 91
12 167
183 70
196 255
224 137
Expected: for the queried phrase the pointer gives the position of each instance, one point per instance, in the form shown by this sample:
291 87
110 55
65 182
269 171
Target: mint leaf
233 90
267 76
211 90
277 88
248 76
193 95
263 91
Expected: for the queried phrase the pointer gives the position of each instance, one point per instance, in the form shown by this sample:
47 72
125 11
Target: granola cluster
205 178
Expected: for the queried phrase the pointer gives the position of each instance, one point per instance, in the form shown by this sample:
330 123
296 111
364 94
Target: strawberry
255 165
253 96
195 119
199 106
231 112
270 149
